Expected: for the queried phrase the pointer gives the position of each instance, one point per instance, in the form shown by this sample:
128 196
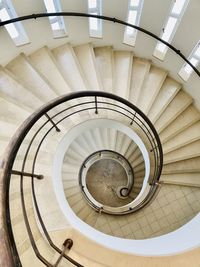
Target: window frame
130 39
61 32
161 54
95 11
22 37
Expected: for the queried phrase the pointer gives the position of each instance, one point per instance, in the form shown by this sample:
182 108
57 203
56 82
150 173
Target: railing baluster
131 123
66 245
38 176
96 108
49 118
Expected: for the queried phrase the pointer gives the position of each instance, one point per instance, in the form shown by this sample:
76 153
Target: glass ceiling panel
178 6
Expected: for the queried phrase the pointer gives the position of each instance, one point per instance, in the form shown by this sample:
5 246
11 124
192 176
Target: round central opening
103 179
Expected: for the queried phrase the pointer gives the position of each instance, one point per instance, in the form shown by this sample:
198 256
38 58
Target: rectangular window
194 58
95 25
57 22
133 17
177 10
15 30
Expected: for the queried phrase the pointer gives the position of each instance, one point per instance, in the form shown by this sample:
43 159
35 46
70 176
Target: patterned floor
173 207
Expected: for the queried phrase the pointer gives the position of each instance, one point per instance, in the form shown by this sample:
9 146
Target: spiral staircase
85 104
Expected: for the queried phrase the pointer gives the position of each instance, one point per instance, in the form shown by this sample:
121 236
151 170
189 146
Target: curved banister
17 140
106 18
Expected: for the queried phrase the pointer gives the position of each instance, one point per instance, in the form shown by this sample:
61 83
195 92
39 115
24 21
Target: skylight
15 30
176 12
194 58
133 17
95 25
57 22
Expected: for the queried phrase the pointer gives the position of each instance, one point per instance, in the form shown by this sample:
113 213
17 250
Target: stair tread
43 60
121 73
185 137
175 107
167 92
151 87
86 58
104 63
140 70
188 117
22 68
69 67
188 179
12 90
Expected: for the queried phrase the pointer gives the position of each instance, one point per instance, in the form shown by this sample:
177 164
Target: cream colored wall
144 46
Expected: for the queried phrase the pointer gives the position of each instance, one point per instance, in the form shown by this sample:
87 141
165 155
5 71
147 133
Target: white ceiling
152 19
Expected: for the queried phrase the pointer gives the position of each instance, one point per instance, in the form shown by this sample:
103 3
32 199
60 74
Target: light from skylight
50 6
188 68
4 14
197 52
169 28
161 47
178 6
92 3
132 16
10 27
135 2
94 23
57 22
55 26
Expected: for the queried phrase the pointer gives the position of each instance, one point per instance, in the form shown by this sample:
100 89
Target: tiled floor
173 207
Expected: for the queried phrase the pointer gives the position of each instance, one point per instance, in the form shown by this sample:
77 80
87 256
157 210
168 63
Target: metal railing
106 18
62 109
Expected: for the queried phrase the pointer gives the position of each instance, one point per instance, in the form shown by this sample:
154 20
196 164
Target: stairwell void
43 167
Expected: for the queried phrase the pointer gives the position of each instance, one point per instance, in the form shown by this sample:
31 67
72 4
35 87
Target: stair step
188 117
86 58
187 179
92 218
70 183
97 138
140 70
122 73
112 138
105 137
104 64
82 140
22 68
184 166
76 146
191 150
12 91
175 108
77 202
85 212
88 136
132 148
69 67
150 90
46 64
125 144
12 113
185 137
122 142
71 191
167 92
